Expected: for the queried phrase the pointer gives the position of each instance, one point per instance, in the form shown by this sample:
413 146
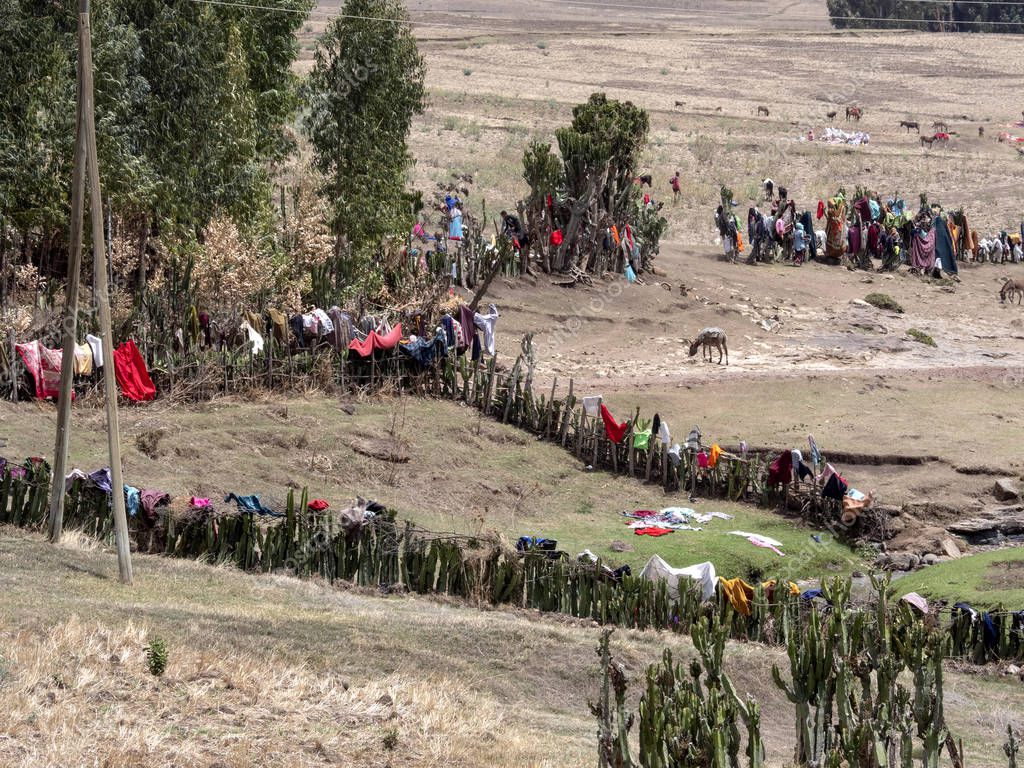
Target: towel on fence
251 504
424 351
693 439
815 453
615 431
101 479
131 500
198 502
96 345
916 601
702 460
69 479
255 339
377 342
486 324
44 365
835 486
318 505
780 471
703 573
279 322
131 372
714 455
663 434
738 593
592 405
324 322
151 499
83 359
642 440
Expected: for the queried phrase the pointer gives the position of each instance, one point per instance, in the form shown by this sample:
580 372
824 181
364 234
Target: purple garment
151 499
466 321
922 250
101 479
854 237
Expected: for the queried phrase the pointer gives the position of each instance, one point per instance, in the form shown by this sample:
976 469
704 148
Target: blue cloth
810 594
250 504
630 274
455 228
424 351
944 246
132 500
101 479
799 242
535 542
875 210
988 630
448 324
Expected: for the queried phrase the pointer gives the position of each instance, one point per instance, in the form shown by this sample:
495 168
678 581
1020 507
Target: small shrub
450 123
542 45
884 301
664 71
586 507
390 739
703 149
156 656
467 72
921 337
673 127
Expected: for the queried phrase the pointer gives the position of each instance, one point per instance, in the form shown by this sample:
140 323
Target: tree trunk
141 277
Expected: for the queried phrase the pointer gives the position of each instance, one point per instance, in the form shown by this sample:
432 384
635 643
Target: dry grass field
271 671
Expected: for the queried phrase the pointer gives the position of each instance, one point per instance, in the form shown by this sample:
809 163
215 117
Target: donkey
831 115
908 124
940 126
708 339
1010 289
763 110
929 140
854 113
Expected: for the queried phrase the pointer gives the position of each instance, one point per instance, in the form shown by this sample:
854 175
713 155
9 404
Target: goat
708 339
1010 289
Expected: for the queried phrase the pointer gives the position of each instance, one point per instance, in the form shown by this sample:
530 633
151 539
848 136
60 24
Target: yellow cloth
716 452
739 593
83 359
280 323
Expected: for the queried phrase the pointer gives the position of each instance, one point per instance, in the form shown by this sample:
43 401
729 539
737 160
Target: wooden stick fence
387 555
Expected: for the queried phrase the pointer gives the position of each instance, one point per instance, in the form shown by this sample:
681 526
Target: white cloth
587 556
703 573
765 540
592 405
914 599
254 337
96 345
486 324
326 326
663 435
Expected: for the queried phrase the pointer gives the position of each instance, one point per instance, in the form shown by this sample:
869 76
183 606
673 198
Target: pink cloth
44 365
199 503
766 545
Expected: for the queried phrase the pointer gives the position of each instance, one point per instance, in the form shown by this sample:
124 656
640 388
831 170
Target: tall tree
365 88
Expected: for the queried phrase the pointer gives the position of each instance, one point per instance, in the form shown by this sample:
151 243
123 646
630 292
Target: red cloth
651 531
375 341
780 471
318 505
131 373
612 428
44 365
821 208
644 513
556 237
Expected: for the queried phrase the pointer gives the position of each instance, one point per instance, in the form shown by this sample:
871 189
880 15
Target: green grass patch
921 337
984 580
884 301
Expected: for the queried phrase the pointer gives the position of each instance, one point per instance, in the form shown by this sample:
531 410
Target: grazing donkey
1010 289
708 339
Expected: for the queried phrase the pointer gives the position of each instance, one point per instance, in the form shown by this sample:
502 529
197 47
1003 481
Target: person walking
677 188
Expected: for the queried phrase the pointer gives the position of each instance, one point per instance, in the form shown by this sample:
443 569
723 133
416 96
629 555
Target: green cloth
641 440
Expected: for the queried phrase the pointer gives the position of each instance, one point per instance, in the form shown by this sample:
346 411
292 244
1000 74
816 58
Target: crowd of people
862 231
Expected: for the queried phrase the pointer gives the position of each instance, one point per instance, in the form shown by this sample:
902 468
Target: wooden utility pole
101 289
70 325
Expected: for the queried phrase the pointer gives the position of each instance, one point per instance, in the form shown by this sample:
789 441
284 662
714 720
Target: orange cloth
739 594
716 451
615 235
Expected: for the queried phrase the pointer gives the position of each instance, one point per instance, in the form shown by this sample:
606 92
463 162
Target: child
799 245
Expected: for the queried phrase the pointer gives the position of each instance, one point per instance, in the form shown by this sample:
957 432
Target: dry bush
229 270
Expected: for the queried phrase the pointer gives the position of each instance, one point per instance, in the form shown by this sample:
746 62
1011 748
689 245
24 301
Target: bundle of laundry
702 576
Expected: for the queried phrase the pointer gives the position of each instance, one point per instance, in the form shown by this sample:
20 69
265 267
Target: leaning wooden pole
101 287
60 450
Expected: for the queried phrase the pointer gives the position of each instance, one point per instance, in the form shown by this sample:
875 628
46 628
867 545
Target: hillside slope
273 671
